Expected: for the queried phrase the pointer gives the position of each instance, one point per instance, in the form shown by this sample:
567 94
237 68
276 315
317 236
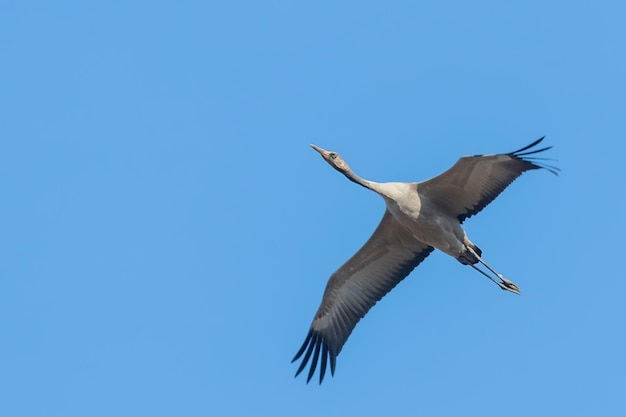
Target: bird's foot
508 285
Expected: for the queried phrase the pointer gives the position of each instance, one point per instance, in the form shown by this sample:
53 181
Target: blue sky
166 232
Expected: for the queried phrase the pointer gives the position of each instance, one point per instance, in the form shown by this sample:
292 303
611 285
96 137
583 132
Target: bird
419 217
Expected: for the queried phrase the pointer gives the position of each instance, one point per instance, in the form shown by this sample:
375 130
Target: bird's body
418 218
421 219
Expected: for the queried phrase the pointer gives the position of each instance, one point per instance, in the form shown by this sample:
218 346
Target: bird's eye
333 155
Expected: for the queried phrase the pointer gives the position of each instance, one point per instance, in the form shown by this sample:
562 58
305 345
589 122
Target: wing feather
475 181
389 255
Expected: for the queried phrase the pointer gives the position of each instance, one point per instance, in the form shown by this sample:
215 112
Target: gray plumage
419 217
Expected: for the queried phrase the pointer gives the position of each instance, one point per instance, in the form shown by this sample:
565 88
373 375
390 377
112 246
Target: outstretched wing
475 181
389 255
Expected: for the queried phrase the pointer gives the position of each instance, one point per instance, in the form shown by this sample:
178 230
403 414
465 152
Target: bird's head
334 159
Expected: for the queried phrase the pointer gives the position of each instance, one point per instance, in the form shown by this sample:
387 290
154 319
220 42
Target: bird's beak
322 152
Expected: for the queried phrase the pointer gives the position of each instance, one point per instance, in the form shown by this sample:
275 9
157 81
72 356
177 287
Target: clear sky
166 232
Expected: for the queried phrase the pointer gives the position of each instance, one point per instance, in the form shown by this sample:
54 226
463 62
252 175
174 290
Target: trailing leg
472 257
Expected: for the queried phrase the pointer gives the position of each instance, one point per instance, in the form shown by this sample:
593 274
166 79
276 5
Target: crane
419 217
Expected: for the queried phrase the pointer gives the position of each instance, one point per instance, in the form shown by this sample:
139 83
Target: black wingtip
312 348
318 343
324 360
523 154
532 152
307 355
303 348
549 168
517 152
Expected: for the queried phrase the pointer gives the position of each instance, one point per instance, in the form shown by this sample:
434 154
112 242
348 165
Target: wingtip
316 355
303 347
324 362
535 143
313 349
308 345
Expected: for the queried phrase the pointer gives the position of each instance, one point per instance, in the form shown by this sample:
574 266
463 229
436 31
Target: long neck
381 189
358 180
